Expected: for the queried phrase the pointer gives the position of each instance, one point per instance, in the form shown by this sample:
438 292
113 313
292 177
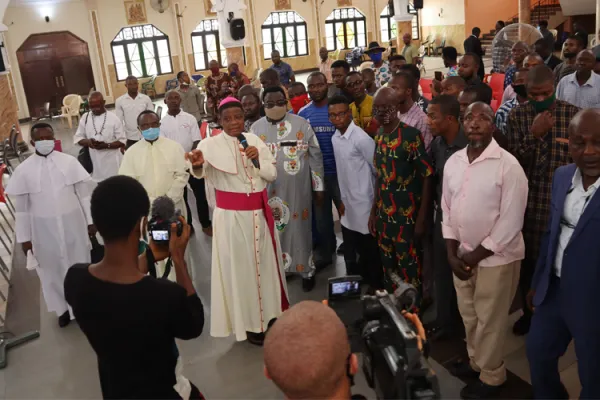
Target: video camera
394 365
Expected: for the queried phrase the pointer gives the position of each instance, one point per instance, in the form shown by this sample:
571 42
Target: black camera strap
152 264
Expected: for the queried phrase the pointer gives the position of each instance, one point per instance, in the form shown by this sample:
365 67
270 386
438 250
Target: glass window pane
290 34
148 49
266 36
360 26
119 54
291 49
358 14
138 32
291 16
224 56
157 32
213 55
298 18
148 31
350 35
165 65
127 33
330 43
336 14
151 68
330 17
119 37
329 30
301 32
302 48
215 25
207 25
163 47
133 52
279 47
269 20
136 68
211 42
199 61
275 18
267 51
339 34
394 30
344 13
197 45
122 72
283 18
351 13
278 35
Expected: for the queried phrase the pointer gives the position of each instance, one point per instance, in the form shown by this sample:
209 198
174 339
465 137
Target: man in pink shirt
483 201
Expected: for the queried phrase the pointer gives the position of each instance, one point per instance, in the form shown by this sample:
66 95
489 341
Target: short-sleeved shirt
285 72
318 118
410 52
382 74
563 69
182 128
132 328
582 96
128 109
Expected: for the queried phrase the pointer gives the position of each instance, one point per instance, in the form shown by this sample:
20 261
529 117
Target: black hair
368 70
543 23
397 57
476 31
231 104
500 22
539 75
316 73
475 58
408 78
130 77
450 53
274 89
449 105
270 74
341 64
413 70
179 74
144 113
579 39
338 99
483 92
40 125
295 84
352 73
542 43
253 94
117 205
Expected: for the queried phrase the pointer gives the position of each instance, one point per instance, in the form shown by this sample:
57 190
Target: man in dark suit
565 289
542 48
473 45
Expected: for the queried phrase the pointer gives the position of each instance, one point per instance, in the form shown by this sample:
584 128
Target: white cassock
160 167
52 198
248 287
105 128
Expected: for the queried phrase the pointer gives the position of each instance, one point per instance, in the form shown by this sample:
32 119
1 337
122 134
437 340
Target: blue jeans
324 216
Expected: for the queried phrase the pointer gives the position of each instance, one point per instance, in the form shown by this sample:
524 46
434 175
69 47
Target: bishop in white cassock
102 132
248 288
52 191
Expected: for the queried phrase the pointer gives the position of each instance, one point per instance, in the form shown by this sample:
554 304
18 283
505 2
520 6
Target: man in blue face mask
379 66
537 134
157 162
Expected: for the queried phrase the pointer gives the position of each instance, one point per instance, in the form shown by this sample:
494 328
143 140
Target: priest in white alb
248 288
157 162
52 191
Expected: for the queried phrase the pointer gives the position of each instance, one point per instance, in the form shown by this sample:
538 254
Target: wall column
403 27
525 11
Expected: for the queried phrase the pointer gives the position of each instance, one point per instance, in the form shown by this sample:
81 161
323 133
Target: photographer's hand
177 246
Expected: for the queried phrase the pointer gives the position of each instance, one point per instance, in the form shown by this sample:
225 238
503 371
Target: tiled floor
61 364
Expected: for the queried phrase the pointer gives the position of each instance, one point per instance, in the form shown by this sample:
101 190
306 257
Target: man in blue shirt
286 74
317 115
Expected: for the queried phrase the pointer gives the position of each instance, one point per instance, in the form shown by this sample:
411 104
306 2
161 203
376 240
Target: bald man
519 51
566 281
319 367
483 204
102 133
582 88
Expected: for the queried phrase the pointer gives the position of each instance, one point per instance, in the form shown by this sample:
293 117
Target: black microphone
244 144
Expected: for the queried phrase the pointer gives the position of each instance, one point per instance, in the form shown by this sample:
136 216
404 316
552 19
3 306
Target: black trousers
446 304
527 270
199 190
361 254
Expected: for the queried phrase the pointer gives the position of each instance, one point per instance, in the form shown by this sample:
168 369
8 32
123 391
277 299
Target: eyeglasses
338 115
355 84
278 103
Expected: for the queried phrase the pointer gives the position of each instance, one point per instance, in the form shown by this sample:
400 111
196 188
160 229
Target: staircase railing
537 9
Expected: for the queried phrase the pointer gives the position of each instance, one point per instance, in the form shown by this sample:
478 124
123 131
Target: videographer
131 319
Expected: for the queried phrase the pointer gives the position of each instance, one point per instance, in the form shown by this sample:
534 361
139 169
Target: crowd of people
467 205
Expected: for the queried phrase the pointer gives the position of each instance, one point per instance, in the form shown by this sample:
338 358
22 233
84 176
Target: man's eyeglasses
278 103
338 115
355 84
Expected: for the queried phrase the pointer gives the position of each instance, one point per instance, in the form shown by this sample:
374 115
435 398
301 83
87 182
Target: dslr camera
162 216
394 365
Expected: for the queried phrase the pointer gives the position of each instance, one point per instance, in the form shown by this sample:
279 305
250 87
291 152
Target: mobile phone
439 76
160 236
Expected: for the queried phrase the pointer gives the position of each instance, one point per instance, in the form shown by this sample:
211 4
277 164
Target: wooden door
53 65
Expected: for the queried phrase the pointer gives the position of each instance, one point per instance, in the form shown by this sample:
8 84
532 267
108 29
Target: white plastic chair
70 108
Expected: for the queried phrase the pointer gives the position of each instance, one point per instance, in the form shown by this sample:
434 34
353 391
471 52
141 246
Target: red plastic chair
495 105
428 96
426 86
496 82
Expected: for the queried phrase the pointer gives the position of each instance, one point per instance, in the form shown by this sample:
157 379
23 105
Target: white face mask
44 147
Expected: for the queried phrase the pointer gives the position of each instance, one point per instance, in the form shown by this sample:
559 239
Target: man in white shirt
354 152
52 191
129 106
183 128
156 162
102 133
582 88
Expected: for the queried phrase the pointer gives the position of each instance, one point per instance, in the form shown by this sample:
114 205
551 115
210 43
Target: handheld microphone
244 144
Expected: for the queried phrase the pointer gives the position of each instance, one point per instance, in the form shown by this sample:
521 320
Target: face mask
185 84
520 90
276 113
376 57
233 73
387 116
570 55
44 147
299 102
541 106
151 134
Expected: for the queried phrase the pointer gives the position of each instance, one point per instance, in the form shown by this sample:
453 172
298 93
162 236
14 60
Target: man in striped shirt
317 115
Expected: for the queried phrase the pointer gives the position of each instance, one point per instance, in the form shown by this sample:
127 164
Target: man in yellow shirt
362 108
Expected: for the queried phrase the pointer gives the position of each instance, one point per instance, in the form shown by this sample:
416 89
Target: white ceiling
578 7
22 3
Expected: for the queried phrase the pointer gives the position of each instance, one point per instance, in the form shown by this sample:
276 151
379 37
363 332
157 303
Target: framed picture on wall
136 12
283 5
344 3
208 7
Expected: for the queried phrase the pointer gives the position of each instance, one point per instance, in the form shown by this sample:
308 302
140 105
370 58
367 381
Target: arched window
416 31
206 45
389 27
284 31
345 28
141 51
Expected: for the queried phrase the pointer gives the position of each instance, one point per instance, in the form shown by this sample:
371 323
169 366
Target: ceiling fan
160 5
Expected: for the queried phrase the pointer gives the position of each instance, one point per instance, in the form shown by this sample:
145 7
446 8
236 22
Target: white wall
453 14
25 21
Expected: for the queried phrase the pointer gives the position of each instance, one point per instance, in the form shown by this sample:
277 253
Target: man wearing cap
410 52
381 67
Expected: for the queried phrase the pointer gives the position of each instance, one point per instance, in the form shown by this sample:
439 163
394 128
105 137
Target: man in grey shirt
192 100
443 119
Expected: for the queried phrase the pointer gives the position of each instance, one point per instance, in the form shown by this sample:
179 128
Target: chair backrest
159 112
495 104
497 82
425 85
13 139
72 102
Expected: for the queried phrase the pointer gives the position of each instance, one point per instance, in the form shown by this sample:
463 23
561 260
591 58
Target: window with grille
284 31
389 27
141 51
345 28
416 29
206 45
